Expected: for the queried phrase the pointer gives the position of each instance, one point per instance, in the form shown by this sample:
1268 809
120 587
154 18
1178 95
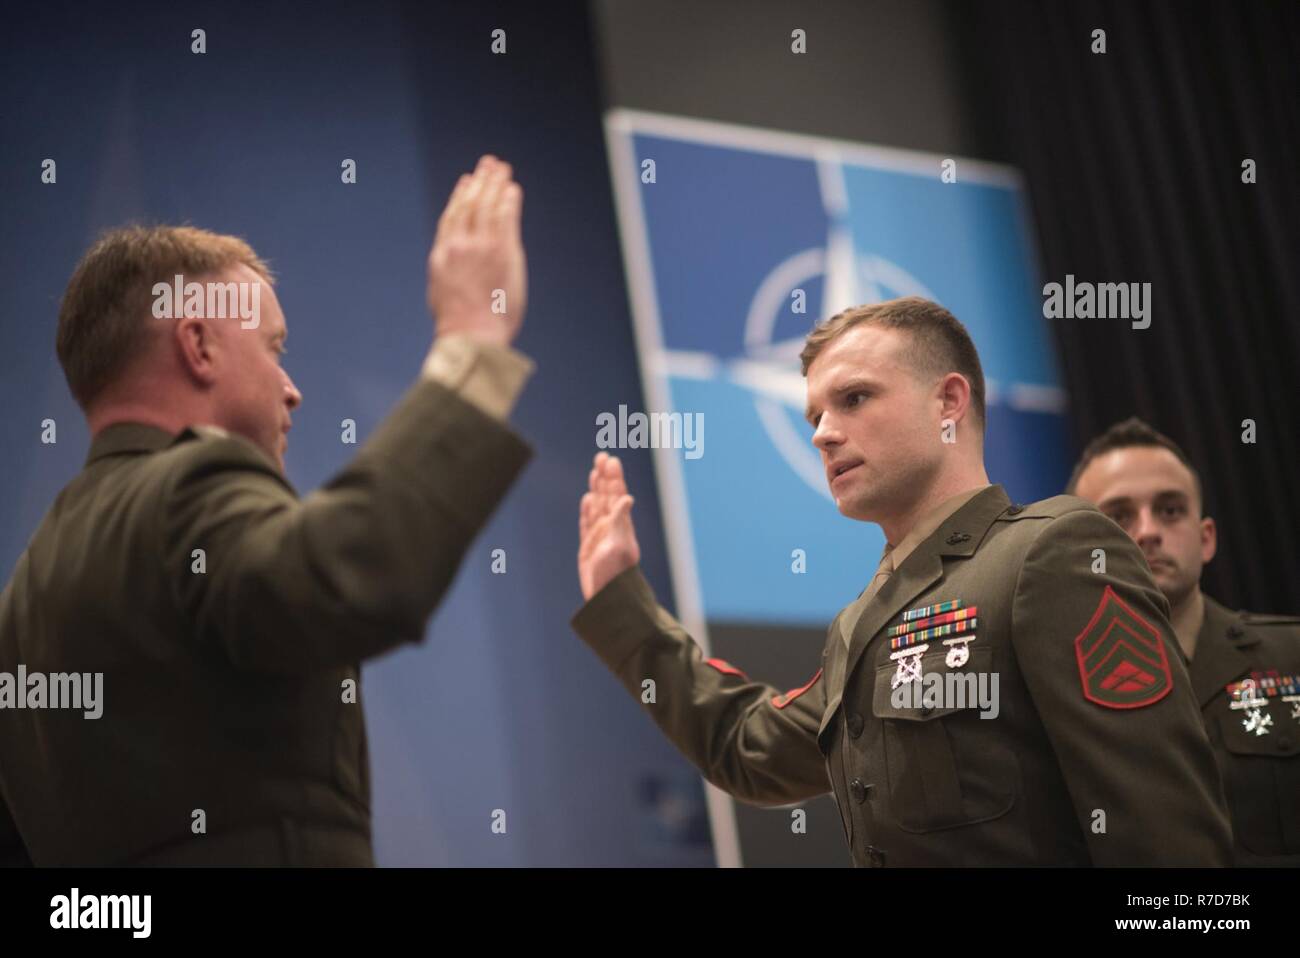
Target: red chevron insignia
1122 659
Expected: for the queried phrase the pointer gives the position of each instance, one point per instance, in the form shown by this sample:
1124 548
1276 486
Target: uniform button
858 789
876 856
855 724
1015 510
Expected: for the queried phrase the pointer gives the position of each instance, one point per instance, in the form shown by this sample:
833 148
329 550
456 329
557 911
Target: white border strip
805 147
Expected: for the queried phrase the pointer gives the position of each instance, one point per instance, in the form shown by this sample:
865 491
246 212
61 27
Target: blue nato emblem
743 241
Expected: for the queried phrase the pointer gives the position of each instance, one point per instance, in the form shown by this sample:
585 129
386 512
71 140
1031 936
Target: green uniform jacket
1259 755
225 691
1073 770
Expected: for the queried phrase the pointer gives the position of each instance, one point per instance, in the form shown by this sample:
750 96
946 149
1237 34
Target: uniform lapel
834 678
959 535
835 662
1221 654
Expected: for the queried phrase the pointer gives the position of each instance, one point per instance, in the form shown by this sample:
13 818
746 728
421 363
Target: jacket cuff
489 377
620 617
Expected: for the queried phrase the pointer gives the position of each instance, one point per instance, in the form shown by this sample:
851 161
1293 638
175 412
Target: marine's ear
1209 539
954 394
196 348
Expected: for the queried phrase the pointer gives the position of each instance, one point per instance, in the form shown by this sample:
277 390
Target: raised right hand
478 275
606 538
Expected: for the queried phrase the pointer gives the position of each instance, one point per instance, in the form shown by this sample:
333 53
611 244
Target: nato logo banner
736 242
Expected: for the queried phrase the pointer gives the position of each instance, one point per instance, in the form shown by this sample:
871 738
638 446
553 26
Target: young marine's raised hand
606 538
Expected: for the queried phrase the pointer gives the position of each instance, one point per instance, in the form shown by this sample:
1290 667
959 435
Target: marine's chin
277 452
1165 573
851 508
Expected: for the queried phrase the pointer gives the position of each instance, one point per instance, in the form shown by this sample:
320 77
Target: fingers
464 199
458 207
485 201
506 214
455 203
469 207
606 496
606 486
614 484
496 175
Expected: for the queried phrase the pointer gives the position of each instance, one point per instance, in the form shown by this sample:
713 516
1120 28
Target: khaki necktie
883 572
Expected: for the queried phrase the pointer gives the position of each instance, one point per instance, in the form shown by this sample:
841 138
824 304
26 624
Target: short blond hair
105 309
939 345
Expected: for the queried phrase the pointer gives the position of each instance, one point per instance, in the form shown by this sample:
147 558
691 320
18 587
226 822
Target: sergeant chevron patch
1122 660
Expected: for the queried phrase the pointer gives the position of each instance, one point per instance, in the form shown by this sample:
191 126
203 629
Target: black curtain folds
1133 160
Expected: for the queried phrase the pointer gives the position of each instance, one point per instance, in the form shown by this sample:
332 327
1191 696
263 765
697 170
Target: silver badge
1257 721
958 651
909 665
1295 708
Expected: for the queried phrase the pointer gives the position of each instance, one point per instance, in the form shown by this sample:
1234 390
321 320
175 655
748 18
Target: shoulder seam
1028 513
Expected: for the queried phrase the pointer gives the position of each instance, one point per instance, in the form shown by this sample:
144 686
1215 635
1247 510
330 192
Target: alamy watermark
179 299
1073 300
949 690
56 690
656 430
75 910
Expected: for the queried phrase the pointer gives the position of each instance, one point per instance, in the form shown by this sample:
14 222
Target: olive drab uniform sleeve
751 740
355 568
1093 641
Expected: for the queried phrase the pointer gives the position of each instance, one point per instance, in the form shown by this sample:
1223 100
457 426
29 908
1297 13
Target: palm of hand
607 542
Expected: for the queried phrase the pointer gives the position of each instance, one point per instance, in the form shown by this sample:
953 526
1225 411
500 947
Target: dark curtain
1134 164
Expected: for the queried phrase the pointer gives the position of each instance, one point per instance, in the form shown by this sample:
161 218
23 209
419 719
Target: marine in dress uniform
1245 667
229 618
225 690
1096 754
